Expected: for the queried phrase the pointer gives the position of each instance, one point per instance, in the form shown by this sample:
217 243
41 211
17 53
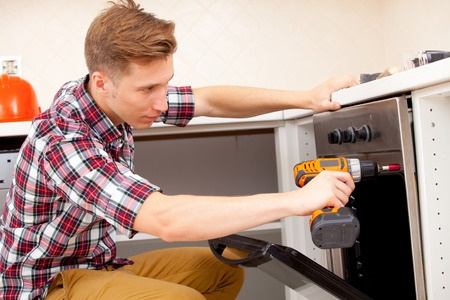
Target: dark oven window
380 263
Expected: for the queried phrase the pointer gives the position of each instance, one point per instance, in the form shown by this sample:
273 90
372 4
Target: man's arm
194 218
242 102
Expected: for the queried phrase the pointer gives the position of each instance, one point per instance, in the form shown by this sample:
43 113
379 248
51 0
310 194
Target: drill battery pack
334 228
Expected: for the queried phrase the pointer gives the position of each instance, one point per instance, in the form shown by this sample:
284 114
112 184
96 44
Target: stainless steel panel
381 117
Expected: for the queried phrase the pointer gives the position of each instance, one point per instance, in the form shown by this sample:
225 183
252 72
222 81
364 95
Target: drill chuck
362 169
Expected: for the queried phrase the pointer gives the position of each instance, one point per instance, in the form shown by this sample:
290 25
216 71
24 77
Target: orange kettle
17 100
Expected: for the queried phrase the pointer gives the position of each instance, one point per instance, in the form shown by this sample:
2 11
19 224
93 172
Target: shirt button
119 141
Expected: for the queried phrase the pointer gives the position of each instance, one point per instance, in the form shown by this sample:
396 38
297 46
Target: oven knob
364 133
335 136
349 135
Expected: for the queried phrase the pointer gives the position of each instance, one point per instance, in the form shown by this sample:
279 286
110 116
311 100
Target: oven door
286 265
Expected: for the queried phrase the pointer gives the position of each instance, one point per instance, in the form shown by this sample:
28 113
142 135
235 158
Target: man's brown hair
124 33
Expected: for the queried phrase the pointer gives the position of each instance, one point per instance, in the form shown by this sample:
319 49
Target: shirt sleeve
181 106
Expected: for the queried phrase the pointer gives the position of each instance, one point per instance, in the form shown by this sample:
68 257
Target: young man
74 184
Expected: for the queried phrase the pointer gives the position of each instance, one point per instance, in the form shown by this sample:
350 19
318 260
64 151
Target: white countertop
406 81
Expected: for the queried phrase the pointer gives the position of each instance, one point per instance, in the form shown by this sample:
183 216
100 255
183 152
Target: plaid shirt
73 187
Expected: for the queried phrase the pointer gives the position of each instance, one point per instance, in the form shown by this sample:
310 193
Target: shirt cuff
181 106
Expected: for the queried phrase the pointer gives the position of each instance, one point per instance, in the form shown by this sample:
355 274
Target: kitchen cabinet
234 160
8 156
431 109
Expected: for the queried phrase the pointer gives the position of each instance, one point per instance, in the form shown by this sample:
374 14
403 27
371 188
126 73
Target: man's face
139 97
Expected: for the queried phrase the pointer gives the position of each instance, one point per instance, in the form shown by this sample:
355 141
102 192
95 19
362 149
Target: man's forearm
243 102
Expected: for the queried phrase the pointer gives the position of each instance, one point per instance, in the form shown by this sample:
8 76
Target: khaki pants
176 273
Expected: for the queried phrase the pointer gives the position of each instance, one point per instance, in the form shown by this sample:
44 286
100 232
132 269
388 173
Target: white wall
283 44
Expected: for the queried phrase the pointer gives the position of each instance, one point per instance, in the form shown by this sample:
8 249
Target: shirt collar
95 116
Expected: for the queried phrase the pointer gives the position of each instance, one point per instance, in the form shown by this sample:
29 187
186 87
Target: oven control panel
365 128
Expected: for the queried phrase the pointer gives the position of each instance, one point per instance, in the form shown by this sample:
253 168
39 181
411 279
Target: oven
386 260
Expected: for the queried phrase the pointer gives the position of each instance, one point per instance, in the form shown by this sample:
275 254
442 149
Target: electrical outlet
11 65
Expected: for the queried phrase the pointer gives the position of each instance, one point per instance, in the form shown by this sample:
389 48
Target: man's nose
161 103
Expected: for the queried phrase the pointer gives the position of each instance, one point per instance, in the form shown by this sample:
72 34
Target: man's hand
320 96
327 189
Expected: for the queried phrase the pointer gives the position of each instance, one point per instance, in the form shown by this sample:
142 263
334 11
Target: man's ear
99 80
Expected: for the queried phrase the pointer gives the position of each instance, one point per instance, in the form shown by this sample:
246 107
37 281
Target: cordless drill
336 227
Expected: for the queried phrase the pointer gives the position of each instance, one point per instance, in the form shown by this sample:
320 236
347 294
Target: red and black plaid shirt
73 187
